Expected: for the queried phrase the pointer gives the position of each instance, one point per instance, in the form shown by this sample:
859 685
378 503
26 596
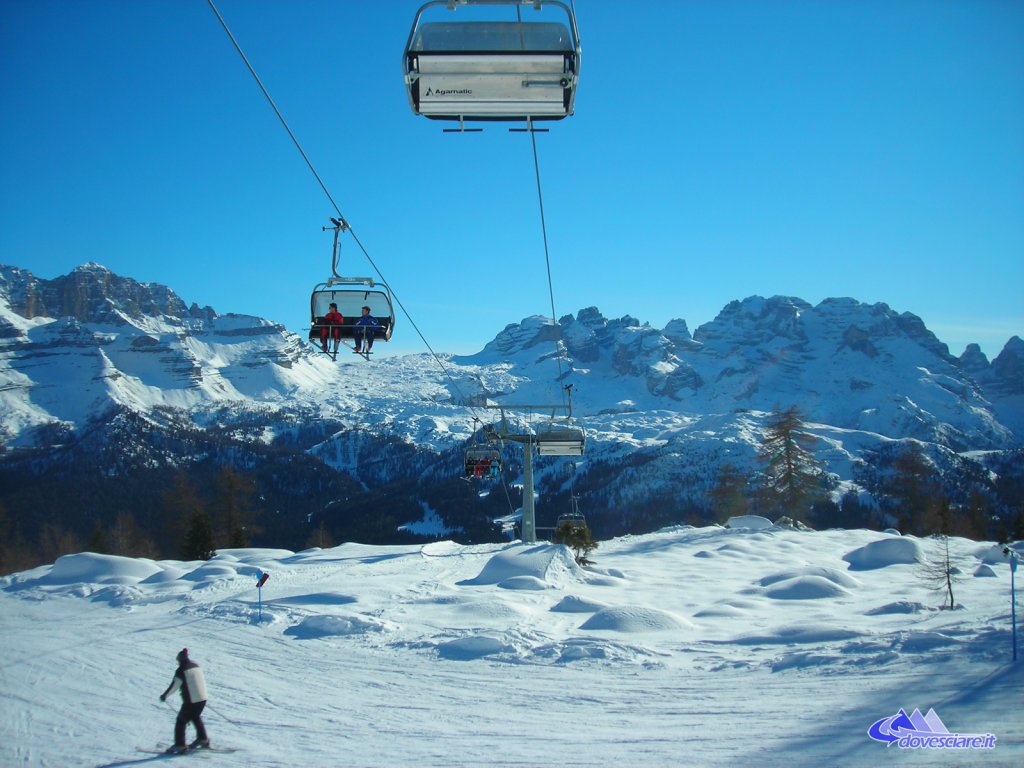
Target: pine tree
320 537
791 477
98 540
914 491
180 505
729 494
577 537
233 499
198 544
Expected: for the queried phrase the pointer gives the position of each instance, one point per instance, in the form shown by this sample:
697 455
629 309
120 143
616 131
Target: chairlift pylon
493 70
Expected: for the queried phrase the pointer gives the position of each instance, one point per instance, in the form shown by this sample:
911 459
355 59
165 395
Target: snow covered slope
759 646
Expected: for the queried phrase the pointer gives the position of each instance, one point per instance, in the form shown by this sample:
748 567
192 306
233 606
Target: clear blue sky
720 149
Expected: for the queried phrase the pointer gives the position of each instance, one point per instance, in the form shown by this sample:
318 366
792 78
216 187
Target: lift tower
556 439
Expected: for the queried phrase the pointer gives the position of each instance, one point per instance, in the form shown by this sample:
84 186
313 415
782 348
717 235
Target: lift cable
277 112
323 186
547 255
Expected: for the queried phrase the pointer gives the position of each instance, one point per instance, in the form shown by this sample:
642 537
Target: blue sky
720 149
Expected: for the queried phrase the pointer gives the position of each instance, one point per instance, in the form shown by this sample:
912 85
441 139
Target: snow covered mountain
663 409
846 364
75 346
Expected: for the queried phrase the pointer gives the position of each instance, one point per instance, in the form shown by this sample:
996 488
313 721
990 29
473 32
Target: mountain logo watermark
917 731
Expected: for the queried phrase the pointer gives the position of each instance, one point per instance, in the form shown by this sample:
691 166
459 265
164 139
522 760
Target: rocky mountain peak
755 320
973 360
1008 367
90 293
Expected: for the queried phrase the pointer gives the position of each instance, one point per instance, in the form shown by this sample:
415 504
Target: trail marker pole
261 579
1014 557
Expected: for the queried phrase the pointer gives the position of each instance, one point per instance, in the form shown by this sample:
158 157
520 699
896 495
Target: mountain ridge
664 409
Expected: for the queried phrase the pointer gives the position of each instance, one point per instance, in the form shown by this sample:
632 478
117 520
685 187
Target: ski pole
220 714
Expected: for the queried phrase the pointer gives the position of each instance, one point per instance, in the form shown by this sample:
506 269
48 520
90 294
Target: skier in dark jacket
189 678
366 329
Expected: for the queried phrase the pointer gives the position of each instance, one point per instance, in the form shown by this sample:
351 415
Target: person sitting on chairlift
366 328
331 326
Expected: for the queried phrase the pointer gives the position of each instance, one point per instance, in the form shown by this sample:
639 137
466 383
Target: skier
331 327
189 678
366 328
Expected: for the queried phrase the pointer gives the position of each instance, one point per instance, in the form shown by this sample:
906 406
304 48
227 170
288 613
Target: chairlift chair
492 70
483 462
575 517
560 440
350 294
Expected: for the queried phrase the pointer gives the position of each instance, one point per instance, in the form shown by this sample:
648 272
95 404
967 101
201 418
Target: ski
187 751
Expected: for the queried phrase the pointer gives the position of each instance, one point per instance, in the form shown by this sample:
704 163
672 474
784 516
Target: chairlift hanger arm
339 226
520 407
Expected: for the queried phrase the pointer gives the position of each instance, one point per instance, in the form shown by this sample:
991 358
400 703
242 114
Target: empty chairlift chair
560 440
493 70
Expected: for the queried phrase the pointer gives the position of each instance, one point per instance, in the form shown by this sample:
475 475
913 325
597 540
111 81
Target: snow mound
724 610
314 598
836 577
883 553
575 604
750 522
799 634
445 548
993 554
210 572
313 627
551 564
586 649
166 575
805 588
91 568
473 647
984 571
255 556
901 606
634 618
488 610
523 582
925 641
742 549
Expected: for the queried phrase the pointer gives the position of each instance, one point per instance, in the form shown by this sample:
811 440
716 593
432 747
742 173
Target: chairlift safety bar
451 5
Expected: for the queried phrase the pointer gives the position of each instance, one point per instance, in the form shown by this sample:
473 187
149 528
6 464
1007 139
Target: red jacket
333 318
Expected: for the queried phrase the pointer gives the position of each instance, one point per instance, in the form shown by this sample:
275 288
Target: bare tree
939 572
